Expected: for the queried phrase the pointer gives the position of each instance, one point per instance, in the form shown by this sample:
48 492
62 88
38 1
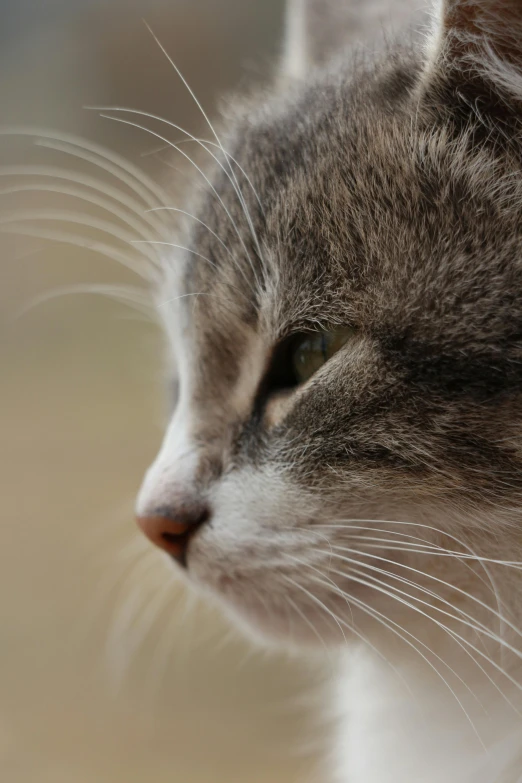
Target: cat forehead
270 230
342 204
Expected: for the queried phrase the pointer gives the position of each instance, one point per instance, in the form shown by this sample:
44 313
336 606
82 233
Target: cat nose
172 529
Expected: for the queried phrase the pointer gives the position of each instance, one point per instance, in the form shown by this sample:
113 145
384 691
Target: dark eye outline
281 375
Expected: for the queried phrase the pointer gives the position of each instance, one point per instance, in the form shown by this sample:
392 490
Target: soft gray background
107 673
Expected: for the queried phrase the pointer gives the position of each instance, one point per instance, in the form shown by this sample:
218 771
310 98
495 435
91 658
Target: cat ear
317 29
479 42
295 55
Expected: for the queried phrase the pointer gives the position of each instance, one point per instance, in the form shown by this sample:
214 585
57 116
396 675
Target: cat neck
432 708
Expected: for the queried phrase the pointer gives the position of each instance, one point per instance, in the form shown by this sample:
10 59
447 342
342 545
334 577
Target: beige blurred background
108 670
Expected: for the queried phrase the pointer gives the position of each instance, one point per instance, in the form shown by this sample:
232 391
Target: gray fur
388 197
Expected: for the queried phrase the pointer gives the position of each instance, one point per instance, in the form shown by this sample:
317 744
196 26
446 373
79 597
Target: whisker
96 154
234 160
315 600
174 145
394 628
78 194
128 295
99 186
77 218
134 637
186 250
472 556
483 562
387 622
162 655
460 640
117 650
209 183
474 624
77 240
352 627
214 133
236 163
459 590
201 222
220 299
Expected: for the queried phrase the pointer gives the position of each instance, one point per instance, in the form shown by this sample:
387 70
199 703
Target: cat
343 465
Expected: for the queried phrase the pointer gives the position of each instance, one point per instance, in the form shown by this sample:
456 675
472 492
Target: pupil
324 346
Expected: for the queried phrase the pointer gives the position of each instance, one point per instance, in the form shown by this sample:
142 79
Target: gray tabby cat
344 463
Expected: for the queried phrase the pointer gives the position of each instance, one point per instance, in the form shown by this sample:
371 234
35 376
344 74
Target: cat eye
313 350
297 358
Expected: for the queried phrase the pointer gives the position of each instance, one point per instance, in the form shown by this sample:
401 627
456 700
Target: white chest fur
403 725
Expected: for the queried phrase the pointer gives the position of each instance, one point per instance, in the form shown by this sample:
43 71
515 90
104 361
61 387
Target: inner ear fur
475 63
496 22
487 29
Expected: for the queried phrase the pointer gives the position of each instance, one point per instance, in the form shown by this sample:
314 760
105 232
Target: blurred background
108 670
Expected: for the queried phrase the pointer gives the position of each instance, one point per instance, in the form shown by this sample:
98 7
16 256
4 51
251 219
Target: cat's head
346 337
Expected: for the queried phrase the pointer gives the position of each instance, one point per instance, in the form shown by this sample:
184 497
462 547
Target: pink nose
172 531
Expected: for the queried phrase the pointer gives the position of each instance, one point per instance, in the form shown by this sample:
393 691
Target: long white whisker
352 626
101 157
161 656
387 622
315 600
209 183
240 167
52 172
118 652
483 562
175 144
201 222
135 636
214 133
432 550
81 195
411 583
186 250
301 614
234 160
460 640
77 240
362 581
459 590
392 626
129 295
473 556
63 216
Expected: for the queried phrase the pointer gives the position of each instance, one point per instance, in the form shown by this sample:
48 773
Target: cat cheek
277 409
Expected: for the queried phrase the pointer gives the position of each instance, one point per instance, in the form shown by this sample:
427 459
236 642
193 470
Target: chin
274 619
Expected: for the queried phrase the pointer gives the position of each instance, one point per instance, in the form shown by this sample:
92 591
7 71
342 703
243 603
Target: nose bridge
190 458
172 504
173 469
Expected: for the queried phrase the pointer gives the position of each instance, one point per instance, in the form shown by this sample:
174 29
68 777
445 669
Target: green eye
314 350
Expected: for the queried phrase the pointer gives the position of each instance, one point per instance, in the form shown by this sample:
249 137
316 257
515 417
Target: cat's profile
344 463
